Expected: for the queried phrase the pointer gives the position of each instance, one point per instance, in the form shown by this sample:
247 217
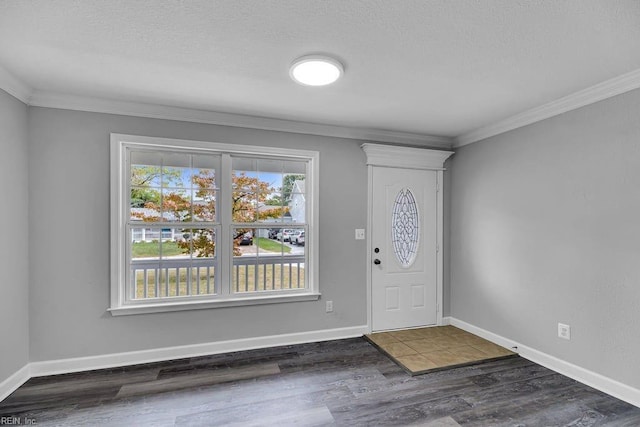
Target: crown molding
101 105
405 157
14 86
607 89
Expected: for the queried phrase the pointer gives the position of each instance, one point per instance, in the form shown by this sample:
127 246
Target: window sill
199 305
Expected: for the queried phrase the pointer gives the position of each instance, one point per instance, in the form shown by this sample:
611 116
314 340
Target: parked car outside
247 239
293 237
299 239
284 235
273 233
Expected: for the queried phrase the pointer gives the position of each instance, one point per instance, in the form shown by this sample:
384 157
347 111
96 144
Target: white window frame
120 214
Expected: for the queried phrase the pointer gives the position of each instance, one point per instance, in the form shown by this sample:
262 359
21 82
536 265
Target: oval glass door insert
405 227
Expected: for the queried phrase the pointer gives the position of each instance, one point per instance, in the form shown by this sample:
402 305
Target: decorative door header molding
405 157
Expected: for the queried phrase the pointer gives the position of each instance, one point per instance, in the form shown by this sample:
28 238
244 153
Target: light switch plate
360 234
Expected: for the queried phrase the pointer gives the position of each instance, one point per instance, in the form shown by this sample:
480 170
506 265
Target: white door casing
405 283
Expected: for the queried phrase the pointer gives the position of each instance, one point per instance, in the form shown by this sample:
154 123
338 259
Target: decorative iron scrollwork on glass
405 227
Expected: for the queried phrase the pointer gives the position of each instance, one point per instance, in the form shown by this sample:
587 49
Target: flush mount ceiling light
316 70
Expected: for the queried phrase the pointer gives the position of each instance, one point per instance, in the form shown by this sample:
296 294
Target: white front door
404 248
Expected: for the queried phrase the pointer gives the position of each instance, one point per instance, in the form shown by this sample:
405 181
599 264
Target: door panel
418 296
404 229
392 298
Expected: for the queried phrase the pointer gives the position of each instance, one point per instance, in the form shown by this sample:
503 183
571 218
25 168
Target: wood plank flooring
344 383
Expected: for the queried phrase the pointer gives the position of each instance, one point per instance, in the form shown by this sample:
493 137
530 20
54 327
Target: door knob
377 261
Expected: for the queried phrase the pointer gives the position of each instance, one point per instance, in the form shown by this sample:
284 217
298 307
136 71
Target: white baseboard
63 366
9 385
592 379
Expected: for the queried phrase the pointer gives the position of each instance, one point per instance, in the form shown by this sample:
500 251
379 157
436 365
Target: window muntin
180 197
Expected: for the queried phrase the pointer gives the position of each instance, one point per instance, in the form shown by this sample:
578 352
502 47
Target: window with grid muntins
198 225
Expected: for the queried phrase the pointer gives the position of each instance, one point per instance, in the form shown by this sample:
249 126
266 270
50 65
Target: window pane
243 241
199 242
204 171
293 191
145 177
203 194
244 207
273 213
145 169
245 190
297 203
176 205
176 170
271 207
268 264
270 204
145 242
204 205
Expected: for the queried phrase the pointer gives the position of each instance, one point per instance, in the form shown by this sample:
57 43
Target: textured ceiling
437 67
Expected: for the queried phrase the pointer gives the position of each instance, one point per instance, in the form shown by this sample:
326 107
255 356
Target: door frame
380 155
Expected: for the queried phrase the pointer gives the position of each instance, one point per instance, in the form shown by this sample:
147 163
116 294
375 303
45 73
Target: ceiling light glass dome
316 70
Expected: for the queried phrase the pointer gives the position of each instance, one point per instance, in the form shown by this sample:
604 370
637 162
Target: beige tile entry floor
429 349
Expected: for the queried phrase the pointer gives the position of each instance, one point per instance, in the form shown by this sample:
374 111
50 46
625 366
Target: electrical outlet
360 235
564 331
329 306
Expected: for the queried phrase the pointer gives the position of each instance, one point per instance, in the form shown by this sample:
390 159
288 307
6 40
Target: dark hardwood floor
346 383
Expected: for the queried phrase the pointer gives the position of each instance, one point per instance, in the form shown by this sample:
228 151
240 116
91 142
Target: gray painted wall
545 228
69 241
14 252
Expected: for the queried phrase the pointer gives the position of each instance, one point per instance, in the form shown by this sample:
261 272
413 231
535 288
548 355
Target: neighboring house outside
297 202
144 234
